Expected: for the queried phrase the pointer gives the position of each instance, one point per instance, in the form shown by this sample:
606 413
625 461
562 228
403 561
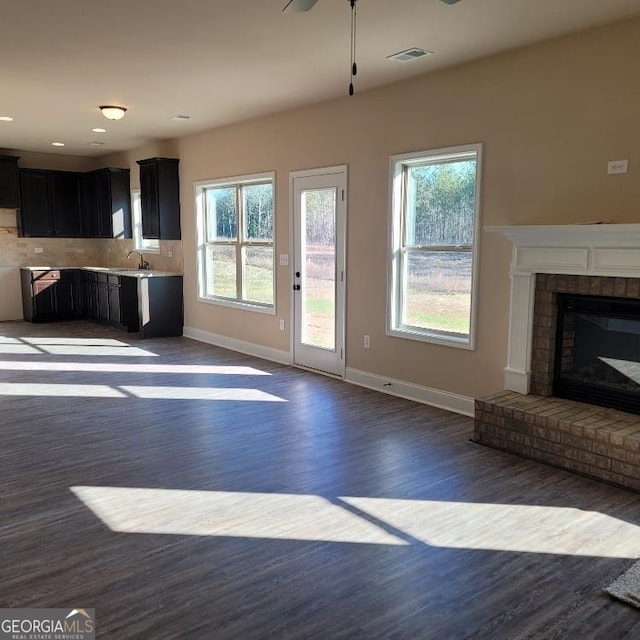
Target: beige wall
550 117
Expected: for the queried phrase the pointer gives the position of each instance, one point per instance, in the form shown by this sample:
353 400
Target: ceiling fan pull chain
354 66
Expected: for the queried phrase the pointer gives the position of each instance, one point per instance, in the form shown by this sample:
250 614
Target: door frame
341 255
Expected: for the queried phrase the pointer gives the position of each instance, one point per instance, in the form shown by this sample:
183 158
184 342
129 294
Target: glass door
319 279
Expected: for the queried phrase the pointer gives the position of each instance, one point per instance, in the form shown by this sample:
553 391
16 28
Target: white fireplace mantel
590 249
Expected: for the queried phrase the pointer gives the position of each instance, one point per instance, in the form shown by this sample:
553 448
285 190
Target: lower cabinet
116 301
150 305
48 295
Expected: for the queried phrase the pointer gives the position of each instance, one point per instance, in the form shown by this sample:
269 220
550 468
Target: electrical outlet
284 259
282 324
618 166
38 250
367 342
170 254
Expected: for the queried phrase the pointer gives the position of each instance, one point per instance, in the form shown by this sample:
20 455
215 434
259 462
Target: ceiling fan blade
299 6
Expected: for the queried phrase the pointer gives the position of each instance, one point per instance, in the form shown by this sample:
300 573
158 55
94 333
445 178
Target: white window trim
147 245
396 164
199 190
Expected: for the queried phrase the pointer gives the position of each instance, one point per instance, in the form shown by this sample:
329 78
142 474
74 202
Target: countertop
116 271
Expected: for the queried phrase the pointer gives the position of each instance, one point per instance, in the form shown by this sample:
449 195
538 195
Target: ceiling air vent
409 54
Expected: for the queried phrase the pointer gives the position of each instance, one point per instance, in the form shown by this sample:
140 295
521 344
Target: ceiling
222 61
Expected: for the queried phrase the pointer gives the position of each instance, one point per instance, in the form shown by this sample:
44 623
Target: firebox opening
597 355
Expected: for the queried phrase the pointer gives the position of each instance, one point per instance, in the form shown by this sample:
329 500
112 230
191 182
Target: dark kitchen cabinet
36 214
102 311
149 304
92 295
116 301
47 294
9 184
50 203
106 203
160 198
65 204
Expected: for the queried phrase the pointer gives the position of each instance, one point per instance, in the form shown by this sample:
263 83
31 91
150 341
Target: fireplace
572 379
597 351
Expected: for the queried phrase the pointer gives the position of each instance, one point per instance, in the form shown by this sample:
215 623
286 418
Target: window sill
241 306
433 337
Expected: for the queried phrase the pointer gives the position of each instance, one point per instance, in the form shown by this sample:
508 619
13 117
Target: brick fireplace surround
525 418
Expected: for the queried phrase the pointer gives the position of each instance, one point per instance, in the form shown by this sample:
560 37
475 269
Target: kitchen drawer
113 280
45 275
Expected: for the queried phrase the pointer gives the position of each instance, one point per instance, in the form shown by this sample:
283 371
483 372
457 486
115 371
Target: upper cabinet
50 203
9 186
65 203
106 203
36 213
160 198
68 204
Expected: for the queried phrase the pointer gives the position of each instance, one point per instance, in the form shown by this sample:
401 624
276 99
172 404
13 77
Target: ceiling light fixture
57 144
6 118
99 130
113 113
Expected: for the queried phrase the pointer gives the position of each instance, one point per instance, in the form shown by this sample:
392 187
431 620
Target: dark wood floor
185 491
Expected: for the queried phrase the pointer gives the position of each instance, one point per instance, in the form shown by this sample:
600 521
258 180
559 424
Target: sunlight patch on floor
219 513
59 390
107 367
91 350
11 348
507 527
201 393
458 525
85 342
147 393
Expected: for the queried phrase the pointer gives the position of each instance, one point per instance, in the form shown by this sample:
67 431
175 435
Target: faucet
143 263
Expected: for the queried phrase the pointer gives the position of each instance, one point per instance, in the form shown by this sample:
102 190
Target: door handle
296 287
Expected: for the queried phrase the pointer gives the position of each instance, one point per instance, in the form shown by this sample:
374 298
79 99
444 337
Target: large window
235 241
435 199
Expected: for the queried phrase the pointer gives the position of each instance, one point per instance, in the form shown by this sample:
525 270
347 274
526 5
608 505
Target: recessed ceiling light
180 116
99 130
96 143
57 144
6 118
409 54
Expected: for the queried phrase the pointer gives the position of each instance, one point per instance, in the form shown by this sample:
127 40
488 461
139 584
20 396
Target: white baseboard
242 346
426 395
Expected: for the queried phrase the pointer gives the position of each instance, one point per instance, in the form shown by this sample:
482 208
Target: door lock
296 287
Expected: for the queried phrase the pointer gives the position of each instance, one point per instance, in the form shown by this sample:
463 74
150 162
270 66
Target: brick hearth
594 441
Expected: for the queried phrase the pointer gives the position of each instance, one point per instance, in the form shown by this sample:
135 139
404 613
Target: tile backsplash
82 252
